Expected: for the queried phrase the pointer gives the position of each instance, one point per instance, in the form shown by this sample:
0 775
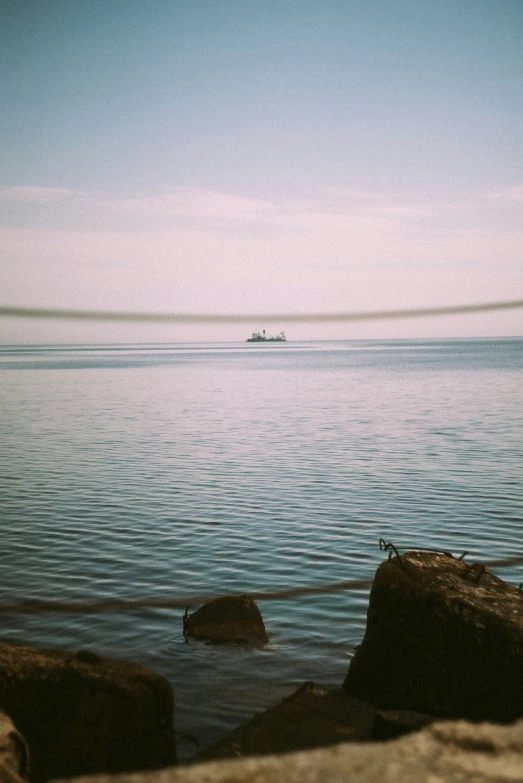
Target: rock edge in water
441 638
82 714
311 717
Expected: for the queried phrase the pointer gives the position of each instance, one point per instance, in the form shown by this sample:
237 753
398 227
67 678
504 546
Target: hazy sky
222 156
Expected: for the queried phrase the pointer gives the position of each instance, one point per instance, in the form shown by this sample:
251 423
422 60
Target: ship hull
266 340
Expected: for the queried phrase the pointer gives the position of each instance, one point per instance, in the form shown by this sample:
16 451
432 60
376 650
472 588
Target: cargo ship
261 337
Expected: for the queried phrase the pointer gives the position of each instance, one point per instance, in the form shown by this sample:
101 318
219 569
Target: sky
230 156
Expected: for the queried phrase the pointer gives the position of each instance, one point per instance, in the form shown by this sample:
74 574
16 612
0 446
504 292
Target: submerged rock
232 618
311 717
82 714
442 638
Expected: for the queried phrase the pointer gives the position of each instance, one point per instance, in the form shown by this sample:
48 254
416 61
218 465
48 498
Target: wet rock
82 714
442 639
442 753
14 753
311 717
232 618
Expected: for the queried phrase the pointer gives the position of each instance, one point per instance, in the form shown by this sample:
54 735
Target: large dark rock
233 618
441 639
82 714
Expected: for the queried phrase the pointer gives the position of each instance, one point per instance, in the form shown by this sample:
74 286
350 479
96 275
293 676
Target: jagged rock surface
442 641
232 618
82 714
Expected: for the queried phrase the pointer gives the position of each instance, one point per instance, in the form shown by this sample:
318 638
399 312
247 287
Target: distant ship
260 337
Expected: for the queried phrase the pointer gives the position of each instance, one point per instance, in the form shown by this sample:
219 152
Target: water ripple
152 472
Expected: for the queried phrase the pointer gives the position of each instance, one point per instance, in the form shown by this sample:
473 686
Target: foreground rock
14 753
233 618
441 639
443 753
81 714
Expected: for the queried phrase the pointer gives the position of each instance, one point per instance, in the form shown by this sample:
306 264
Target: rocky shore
444 641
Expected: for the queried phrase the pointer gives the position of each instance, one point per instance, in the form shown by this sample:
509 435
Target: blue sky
260 157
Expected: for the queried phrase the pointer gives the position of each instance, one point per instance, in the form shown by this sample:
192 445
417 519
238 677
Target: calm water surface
138 471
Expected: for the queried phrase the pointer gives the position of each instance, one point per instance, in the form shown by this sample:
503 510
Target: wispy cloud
333 226
34 194
213 205
404 210
341 208
514 193
196 203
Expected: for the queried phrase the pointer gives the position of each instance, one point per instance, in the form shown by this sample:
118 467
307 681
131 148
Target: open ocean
141 471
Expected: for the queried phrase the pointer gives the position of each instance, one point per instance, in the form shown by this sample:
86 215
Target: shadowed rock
442 753
389 724
311 717
14 753
441 639
233 618
82 714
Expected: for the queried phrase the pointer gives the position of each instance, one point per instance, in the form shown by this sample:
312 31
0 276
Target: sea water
143 471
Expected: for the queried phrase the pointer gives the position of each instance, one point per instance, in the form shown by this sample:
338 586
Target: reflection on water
133 471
